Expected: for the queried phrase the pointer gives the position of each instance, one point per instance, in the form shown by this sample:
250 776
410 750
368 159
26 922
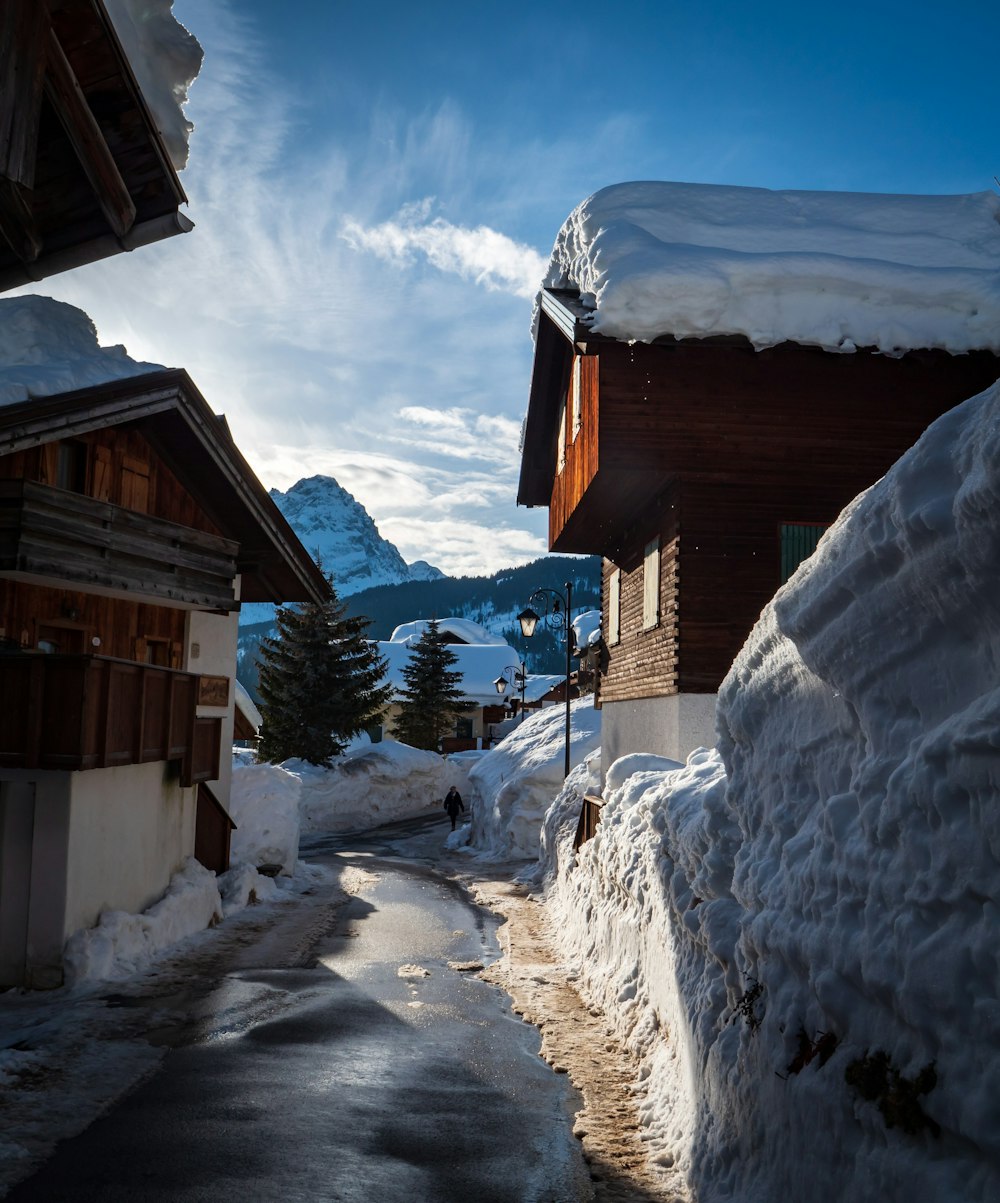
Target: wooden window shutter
101 482
651 585
615 606
135 485
798 542
49 463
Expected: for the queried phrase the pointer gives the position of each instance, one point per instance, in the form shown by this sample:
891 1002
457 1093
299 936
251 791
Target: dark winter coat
453 802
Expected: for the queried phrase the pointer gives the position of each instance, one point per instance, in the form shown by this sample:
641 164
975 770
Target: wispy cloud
481 254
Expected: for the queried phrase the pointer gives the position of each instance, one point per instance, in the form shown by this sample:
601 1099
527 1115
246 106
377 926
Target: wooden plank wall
125 628
121 467
571 484
645 664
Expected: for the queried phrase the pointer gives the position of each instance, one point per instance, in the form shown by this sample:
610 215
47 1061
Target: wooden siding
114 458
644 663
78 540
126 629
727 414
75 713
581 452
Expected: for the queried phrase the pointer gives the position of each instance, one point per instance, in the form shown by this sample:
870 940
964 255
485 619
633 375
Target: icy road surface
380 1067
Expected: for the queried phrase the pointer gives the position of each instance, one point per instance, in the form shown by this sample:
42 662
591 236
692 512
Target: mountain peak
337 530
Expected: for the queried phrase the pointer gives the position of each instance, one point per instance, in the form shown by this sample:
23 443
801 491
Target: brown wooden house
83 170
704 471
130 529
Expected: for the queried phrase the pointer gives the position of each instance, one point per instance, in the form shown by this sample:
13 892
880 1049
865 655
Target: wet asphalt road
379 1072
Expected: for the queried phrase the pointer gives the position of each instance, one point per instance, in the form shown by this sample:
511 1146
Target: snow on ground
837 270
513 785
797 933
370 785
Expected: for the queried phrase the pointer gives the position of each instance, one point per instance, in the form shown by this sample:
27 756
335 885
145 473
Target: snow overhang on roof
479 664
84 170
835 270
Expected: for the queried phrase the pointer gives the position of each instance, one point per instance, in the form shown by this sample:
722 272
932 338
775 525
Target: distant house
482 658
717 372
130 529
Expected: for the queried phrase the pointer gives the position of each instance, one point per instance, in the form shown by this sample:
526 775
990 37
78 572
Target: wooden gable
84 173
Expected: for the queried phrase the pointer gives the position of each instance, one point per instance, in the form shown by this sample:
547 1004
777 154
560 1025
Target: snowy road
378 1066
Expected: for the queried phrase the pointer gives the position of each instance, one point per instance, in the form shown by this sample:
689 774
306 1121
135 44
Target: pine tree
321 682
433 694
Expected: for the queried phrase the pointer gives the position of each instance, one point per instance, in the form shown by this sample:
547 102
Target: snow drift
799 932
512 786
837 270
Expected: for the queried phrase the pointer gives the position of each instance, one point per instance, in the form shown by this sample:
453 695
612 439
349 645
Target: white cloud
481 254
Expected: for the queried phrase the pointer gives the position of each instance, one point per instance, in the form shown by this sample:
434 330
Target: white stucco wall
668 726
130 829
211 649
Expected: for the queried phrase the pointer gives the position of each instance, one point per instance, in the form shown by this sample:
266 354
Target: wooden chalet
704 471
130 529
84 173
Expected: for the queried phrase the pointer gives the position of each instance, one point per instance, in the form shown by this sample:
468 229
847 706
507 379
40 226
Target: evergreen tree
433 694
321 682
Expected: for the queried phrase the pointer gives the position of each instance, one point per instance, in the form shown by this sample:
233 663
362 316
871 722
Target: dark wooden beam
23 24
17 222
87 139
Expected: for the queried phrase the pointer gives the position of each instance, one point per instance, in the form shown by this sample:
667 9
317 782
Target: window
464 728
577 397
561 451
71 466
615 606
798 542
651 585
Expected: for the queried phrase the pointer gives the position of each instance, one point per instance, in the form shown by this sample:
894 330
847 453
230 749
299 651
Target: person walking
453 804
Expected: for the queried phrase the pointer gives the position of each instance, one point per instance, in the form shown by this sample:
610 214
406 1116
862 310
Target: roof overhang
196 445
84 173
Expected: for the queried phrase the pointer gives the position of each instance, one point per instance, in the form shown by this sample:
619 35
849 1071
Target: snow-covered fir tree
433 694
321 682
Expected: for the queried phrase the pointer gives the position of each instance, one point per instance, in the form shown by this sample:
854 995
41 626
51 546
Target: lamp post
557 614
518 678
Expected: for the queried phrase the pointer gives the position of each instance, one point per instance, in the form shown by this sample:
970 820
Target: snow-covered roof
479 664
587 628
462 630
49 347
165 58
837 270
245 704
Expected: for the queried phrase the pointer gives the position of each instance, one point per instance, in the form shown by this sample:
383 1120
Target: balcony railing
79 540
74 713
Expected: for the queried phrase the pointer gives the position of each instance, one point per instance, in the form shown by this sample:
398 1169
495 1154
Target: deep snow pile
122 943
792 929
49 347
166 59
512 786
838 270
367 787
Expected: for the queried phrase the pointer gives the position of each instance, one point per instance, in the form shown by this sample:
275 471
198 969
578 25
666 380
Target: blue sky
376 188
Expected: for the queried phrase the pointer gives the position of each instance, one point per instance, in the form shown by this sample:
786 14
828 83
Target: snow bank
264 805
49 347
836 270
368 786
513 785
791 930
166 59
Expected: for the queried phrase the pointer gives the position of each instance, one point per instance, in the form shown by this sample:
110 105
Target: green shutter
798 541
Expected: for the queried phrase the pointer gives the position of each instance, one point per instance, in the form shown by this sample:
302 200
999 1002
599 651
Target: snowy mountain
338 531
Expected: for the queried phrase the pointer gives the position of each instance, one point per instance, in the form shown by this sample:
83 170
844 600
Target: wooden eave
84 173
196 445
562 325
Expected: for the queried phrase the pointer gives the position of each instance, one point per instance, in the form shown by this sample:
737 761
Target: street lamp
517 676
557 613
